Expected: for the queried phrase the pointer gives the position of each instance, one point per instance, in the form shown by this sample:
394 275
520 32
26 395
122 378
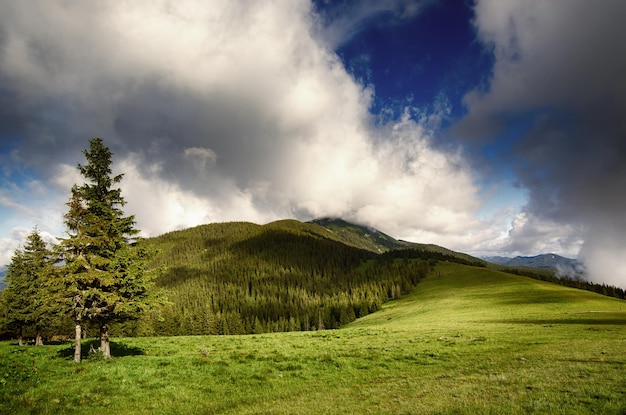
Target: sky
492 127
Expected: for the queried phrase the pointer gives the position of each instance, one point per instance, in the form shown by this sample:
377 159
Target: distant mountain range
3 272
556 262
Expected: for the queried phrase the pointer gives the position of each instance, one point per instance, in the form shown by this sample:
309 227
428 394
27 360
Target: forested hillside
239 277
234 278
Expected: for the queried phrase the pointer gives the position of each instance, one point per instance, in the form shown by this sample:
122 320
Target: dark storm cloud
574 165
237 129
560 64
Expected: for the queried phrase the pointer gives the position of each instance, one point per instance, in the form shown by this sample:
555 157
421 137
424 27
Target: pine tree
14 303
104 276
25 299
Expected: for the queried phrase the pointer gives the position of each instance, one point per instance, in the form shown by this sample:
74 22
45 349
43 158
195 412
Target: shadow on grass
617 321
58 342
87 346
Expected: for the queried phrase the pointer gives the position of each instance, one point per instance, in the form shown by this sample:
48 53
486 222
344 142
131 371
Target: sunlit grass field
468 340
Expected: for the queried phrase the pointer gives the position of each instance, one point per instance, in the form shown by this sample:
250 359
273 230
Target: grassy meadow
467 341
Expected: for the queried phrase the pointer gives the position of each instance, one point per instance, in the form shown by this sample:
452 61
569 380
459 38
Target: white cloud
604 255
160 206
29 204
534 235
10 203
8 245
16 240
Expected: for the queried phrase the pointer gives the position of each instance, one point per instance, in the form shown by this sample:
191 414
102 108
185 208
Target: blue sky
489 127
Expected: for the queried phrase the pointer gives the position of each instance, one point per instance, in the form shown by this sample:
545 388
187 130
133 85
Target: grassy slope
359 236
469 340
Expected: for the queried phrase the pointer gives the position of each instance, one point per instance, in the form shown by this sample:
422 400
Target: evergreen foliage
103 276
549 275
25 303
435 255
236 278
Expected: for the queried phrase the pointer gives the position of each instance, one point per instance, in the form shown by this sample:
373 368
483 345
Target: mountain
240 277
500 260
545 261
371 239
3 272
363 237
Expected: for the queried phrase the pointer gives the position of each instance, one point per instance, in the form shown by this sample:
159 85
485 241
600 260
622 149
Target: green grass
468 340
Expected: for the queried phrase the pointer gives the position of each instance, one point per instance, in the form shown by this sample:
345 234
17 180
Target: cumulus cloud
227 111
16 240
561 65
9 244
532 234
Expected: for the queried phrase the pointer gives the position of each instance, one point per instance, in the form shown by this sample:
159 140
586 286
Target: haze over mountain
544 261
564 267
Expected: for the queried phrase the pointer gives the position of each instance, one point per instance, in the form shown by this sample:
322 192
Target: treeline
434 256
94 277
549 276
240 278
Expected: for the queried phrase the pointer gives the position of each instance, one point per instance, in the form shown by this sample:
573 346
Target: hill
487 296
239 277
235 278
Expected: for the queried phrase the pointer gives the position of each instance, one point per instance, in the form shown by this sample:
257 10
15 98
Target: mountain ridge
541 261
370 238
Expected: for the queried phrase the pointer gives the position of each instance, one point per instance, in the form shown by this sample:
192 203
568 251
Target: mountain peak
362 236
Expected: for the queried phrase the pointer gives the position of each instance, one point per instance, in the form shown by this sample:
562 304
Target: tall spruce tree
26 302
104 276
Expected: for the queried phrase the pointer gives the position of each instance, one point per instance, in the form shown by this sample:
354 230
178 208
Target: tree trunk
20 340
38 338
105 346
77 340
